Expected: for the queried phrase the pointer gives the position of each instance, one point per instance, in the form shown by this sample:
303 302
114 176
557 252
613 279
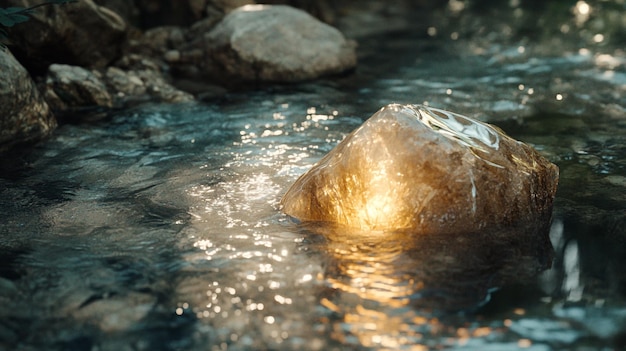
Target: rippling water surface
159 229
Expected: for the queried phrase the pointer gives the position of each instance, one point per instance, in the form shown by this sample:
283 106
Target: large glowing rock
411 167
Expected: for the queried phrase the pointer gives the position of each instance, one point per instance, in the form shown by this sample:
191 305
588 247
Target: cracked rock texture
410 167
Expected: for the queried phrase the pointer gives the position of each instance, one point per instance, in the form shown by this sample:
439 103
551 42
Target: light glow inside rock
430 171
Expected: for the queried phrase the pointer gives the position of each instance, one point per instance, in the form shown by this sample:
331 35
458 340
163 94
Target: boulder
428 171
270 43
81 34
24 115
74 88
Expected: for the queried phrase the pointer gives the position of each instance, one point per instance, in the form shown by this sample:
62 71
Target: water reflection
581 11
391 289
157 229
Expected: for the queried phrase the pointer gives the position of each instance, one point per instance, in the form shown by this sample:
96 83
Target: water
159 229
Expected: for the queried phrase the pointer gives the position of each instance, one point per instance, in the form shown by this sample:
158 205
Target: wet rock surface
271 43
72 88
430 171
142 84
72 91
24 115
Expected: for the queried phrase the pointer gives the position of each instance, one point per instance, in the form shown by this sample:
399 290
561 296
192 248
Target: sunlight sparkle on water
581 11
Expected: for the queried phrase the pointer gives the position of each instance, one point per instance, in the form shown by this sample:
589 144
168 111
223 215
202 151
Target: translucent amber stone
412 167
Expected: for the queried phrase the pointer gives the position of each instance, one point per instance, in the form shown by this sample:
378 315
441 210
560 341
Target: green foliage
11 16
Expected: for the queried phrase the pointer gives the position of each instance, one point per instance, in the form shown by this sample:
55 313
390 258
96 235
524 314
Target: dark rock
81 34
270 43
147 14
24 115
325 10
165 38
156 13
431 172
448 272
127 9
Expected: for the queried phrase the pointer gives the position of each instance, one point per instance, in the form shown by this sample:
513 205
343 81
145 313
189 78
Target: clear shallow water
159 228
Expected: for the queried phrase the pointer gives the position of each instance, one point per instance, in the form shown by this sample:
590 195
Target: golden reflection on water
390 289
381 289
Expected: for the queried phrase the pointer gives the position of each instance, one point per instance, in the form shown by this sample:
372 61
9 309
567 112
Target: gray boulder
270 43
24 115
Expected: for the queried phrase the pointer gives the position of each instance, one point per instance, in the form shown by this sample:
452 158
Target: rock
157 41
142 85
75 92
428 171
271 43
116 313
156 13
74 88
24 115
81 34
128 10
124 83
444 273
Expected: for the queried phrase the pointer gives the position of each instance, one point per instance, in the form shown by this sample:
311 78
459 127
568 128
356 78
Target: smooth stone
428 171
275 43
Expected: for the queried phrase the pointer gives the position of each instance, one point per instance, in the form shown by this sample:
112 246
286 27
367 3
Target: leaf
11 16
51 2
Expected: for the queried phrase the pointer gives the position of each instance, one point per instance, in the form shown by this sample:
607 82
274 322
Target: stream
158 228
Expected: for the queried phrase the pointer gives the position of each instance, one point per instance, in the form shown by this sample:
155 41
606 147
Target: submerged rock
271 43
411 167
